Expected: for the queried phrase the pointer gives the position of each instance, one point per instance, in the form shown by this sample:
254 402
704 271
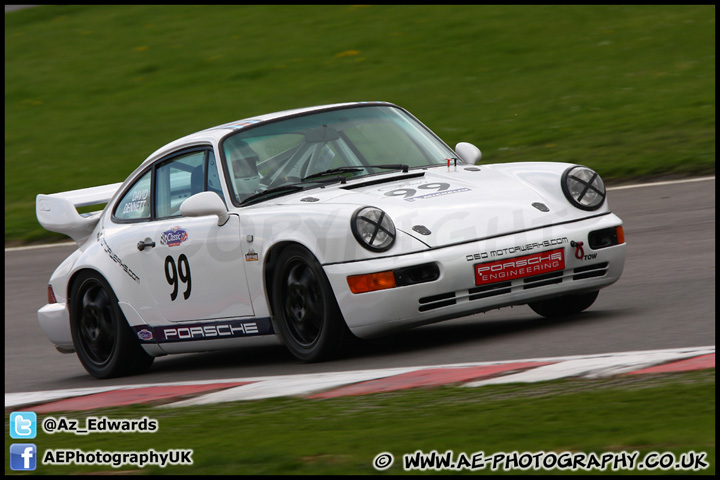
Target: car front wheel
103 340
563 306
305 312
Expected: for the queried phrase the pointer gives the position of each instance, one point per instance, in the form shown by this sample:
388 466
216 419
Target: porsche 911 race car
317 224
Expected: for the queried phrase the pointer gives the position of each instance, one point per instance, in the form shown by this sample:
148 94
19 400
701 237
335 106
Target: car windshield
314 149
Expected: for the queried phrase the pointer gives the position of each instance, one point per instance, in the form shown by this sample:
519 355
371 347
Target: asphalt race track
665 299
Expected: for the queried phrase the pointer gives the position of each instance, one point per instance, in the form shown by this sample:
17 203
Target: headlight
373 229
583 187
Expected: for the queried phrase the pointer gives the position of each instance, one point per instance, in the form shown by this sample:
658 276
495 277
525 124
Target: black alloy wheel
306 315
103 340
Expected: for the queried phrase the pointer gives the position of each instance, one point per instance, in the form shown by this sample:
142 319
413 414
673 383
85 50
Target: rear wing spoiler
57 212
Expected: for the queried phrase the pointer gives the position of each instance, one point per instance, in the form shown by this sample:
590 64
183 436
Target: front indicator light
606 237
620 234
371 282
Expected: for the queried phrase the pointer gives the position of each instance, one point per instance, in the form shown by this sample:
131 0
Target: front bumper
458 292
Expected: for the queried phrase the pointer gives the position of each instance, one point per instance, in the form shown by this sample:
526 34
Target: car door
191 267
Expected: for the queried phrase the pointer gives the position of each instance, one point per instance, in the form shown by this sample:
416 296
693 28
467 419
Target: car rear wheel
306 314
563 306
102 338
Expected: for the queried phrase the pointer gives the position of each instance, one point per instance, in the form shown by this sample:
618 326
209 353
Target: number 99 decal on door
176 274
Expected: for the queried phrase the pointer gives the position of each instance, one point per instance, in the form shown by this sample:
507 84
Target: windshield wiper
290 188
333 171
393 166
390 166
287 188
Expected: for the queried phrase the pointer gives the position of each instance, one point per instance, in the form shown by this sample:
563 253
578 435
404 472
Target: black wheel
102 338
566 305
305 312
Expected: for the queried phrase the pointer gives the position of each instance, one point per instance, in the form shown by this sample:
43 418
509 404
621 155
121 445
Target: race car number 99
410 192
181 272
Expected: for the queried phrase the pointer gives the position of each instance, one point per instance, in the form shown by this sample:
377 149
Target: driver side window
177 180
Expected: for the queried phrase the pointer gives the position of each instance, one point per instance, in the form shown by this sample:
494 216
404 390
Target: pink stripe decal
431 377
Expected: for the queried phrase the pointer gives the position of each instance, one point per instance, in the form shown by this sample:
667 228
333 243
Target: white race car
315 224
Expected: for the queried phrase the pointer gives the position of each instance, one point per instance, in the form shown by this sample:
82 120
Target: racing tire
305 312
565 305
103 340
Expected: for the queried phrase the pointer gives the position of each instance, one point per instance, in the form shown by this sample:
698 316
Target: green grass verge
672 413
90 91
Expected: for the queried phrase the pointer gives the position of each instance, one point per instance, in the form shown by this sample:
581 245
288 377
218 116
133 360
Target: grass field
90 91
667 414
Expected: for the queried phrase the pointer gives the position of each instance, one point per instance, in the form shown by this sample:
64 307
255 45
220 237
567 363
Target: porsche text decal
204 330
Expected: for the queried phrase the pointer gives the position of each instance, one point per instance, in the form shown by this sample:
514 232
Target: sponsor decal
173 237
438 194
517 248
115 258
187 332
519 267
145 335
251 256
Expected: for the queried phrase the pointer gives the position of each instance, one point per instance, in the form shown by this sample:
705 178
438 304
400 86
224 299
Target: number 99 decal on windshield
176 274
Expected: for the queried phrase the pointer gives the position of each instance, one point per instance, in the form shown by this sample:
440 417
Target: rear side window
135 204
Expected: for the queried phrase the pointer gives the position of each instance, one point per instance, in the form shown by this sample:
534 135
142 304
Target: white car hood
447 205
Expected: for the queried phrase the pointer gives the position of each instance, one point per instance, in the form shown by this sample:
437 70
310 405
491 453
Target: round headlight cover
373 229
583 187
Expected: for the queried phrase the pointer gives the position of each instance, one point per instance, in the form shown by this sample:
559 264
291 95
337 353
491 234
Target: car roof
213 134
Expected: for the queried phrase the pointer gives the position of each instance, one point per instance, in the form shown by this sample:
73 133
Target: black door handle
142 244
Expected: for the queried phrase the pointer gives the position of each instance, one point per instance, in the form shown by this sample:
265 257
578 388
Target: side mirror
468 152
205 203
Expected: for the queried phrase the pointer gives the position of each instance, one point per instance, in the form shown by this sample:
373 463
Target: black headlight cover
373 229
583 187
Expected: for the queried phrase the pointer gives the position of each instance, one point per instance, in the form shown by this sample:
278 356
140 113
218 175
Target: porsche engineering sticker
519 267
